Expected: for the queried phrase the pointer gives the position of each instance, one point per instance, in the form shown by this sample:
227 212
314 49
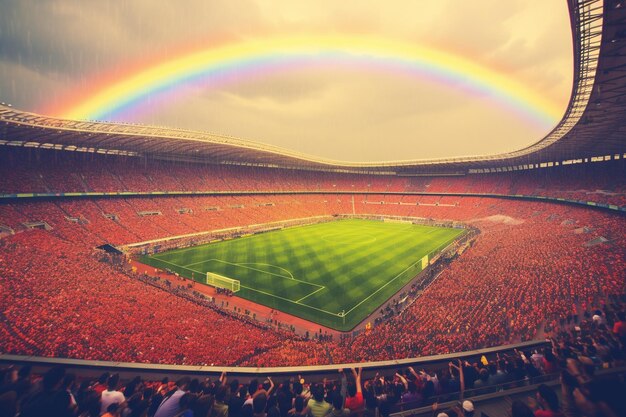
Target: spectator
101 385
184 406
220 408
317 406
468 408
547 403
338 409
258 405
51 399
619 328
354 400
170 406
285 398
298 409
111 395
236 399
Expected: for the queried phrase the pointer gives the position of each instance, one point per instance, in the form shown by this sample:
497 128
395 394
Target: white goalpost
220 281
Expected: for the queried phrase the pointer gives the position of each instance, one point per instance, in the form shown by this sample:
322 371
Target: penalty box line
307 296
299 302
259 270
184 267
394 278
292 301
387 283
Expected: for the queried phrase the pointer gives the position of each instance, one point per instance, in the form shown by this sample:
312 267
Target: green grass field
334 274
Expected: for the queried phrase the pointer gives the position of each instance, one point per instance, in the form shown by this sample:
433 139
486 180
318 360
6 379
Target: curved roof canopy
594 123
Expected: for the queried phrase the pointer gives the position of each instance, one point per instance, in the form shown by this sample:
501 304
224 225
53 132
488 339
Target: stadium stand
599 183
527 253
540 266
580 353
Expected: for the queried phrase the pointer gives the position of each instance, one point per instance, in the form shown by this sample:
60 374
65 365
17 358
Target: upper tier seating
52 172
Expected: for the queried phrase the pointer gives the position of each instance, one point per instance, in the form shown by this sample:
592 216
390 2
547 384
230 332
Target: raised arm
404 381
462 378
262 391
459 367
357 378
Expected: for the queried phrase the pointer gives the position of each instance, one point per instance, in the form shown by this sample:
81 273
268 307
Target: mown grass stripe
350 274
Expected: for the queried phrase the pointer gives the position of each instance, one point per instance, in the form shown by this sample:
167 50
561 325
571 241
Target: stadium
176 254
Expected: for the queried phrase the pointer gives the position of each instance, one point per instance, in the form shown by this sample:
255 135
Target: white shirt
110 397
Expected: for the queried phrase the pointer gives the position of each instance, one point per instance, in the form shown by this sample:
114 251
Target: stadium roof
594 124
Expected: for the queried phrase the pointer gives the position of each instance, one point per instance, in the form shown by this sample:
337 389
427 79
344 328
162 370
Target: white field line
258 270
307 296
394 278
388 282
198 263
291 301
267 293
275 266
317 285
184 267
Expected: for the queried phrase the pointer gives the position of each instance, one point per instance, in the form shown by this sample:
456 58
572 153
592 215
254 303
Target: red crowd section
530 268
86 220
52 172
58 299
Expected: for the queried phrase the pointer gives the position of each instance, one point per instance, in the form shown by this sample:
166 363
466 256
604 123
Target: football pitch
334 274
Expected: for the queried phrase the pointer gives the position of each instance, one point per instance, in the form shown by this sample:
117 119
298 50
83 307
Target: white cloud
48 48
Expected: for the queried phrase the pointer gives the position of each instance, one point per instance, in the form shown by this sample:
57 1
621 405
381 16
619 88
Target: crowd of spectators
129 220
577 354
59 300
529 270
515 277
534 266
53 172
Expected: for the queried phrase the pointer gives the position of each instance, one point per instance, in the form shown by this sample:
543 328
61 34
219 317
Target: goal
220 281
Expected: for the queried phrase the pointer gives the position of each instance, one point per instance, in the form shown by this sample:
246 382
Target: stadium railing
156 371
497 392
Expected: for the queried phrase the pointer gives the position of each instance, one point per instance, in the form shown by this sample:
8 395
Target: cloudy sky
50 50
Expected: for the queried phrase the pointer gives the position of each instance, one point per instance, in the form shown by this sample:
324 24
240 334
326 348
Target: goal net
220 281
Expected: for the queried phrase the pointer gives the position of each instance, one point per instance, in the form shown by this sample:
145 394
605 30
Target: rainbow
221 64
